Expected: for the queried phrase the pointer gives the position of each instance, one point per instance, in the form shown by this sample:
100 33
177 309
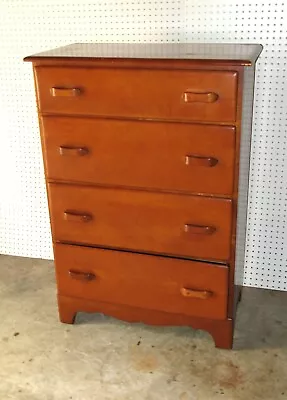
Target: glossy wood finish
142 149
139 220
180 157
210 54
177 286
128 93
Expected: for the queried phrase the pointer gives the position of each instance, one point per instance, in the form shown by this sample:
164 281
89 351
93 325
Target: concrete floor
100 358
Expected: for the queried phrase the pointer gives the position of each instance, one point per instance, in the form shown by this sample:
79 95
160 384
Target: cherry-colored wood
201 161
220 330
142 150
137 280
81 276
196 294
68 310
69 151
200 97
128 92
64 92
199 229
163 156
119 54
140 220
76 216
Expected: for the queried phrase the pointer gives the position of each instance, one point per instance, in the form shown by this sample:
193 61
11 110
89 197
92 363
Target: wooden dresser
146 151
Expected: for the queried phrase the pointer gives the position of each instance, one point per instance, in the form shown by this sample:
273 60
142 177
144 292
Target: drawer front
184 157
159 94
159 283
154 222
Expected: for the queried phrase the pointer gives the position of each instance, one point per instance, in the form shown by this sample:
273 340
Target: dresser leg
222 334
67 313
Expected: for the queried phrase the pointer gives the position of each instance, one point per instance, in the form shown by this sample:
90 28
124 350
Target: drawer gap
177 257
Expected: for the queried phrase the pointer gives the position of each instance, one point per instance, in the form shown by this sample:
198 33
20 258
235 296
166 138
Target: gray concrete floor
105 359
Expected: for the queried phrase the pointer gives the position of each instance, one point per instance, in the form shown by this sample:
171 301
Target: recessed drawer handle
200 161
195 294
64 92
74 216
199 229
73 151
195 97
82 276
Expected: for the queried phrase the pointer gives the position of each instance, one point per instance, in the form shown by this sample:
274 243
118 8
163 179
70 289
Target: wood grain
128 92
142 160
151 282
163 156
139 220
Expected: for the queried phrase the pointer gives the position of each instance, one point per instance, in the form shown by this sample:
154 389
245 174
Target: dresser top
228 54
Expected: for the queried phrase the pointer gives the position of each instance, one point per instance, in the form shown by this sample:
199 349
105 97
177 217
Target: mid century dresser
146 152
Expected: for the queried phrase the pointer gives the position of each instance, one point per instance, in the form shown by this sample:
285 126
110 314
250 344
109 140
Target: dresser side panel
244 167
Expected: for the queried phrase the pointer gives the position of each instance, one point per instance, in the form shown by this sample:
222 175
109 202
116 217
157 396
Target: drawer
184 225
159 283
168 156
155 94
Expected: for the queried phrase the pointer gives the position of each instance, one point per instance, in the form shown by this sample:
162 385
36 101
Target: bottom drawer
152 282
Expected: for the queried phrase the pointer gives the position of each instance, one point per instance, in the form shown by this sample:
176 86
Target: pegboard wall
30 26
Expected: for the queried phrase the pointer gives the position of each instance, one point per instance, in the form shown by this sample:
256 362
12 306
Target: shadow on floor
261 321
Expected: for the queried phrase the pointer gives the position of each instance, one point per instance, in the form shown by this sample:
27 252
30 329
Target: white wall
34 25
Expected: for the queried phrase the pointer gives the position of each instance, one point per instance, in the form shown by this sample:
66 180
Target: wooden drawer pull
199 229
65 92
195 294
74 216
200 161
82 276
195 97
73 151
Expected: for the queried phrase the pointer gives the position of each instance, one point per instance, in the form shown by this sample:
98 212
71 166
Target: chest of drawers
146 154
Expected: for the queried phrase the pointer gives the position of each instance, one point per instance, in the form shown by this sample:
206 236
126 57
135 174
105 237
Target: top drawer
153 94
